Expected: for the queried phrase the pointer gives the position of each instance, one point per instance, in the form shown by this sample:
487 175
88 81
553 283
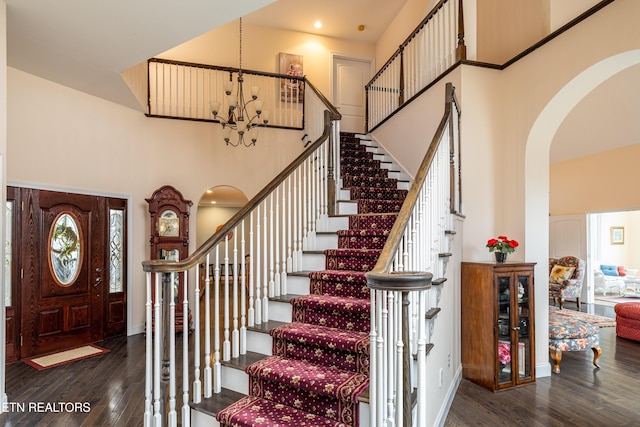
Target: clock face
168 224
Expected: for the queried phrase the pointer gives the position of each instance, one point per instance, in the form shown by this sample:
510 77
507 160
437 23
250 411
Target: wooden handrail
166 266
385 260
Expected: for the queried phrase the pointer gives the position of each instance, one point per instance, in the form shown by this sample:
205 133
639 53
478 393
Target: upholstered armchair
566 276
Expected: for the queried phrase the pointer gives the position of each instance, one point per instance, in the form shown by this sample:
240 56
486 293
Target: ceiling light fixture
318 24
239 118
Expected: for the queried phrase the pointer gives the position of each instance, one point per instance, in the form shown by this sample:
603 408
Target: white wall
62 139
509 119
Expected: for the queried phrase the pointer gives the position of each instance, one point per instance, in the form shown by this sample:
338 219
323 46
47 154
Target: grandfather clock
170 239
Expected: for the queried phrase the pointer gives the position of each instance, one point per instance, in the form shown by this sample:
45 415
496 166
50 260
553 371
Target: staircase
318 372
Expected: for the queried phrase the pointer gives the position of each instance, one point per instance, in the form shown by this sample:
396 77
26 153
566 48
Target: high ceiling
86 44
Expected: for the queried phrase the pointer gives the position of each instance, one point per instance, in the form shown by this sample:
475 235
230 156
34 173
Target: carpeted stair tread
369 181
372 221
351 259
358 193
339 275
253 411
333 338
345 283
378 206
364 238
333 303
322 380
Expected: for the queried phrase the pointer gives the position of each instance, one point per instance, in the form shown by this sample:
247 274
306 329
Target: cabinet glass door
524 327
504 329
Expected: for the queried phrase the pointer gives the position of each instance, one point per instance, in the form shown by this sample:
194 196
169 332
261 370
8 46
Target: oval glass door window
65 249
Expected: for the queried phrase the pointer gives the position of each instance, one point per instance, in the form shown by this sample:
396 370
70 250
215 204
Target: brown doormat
65 356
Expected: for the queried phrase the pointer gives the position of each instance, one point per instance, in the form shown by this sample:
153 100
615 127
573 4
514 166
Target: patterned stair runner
320 362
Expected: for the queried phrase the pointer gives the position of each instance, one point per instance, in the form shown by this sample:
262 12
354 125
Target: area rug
600 321
62 357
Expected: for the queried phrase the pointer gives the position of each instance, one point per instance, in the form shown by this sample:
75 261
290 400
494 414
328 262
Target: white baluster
296 214
157 353
380 357
257 264
422 364
285 219
217 377
252 274
148 383
277 290
197 385
265 280
303 202
226 345
272 237
207 332
235 340
186 410
243 296
173 419
290 227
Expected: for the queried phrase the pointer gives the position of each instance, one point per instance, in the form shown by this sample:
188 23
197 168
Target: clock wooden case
169 212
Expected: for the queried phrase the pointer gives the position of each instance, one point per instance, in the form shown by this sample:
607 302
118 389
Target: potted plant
502 246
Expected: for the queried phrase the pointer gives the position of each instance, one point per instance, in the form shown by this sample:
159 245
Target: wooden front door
64 295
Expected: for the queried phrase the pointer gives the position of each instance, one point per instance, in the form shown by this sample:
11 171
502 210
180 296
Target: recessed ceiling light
318 24
213 202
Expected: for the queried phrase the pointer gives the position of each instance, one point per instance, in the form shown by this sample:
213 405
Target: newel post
404 282
461 49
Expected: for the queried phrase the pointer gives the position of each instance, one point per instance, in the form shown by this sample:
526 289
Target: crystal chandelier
239 118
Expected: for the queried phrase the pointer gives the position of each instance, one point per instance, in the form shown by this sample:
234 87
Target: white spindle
185 355
217 367
284 218
251 273
265 280
207 332
148 383
173 419
303 201
272 237
277 285
226 346
197 385
296 215
257 264
291 225
157 354
243 294
235 339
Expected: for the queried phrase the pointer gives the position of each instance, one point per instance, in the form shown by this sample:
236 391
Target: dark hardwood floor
580 395
113 385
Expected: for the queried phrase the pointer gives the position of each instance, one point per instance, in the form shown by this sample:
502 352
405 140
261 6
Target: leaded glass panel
8 253
65 249
116 250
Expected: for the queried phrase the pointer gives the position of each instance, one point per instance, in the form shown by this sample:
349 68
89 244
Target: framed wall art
617 235
291 90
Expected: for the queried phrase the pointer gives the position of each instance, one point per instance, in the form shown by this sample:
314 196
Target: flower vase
501 257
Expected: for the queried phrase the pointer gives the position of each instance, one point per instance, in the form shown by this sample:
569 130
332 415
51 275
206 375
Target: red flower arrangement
504 352
502 244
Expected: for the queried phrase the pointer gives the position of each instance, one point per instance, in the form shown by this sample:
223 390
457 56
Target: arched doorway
537 167
216 206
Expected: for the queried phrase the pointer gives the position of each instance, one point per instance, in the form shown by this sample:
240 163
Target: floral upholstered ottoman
567 334
628 320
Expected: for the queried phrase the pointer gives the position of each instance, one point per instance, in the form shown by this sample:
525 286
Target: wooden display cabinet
169 239
498 346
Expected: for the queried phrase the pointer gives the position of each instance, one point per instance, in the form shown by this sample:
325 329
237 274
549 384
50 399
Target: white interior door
568 236
350 75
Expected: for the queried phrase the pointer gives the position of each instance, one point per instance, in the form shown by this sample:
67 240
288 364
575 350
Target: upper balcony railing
183 90
435 45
